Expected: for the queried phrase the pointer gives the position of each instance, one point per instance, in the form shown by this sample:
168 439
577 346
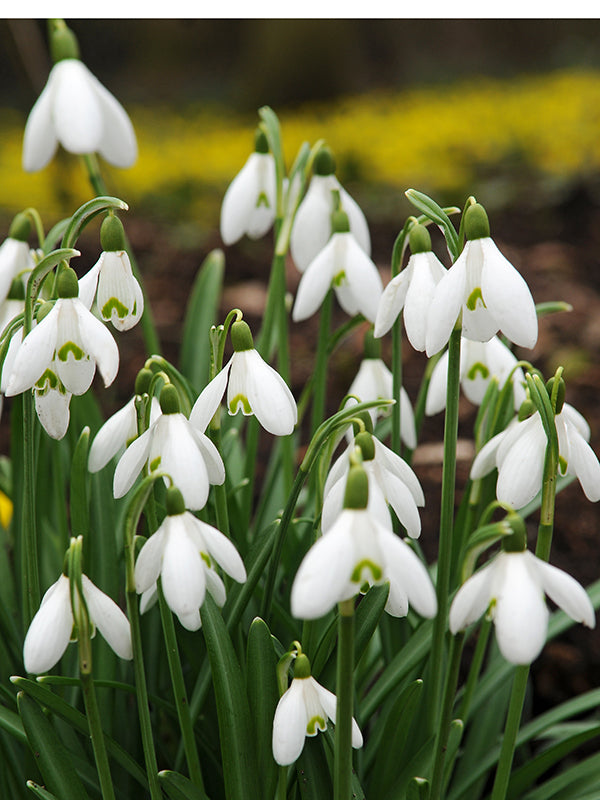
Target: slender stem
320 371
441 738
179 691
29 550
475 669
220 492
511 730
446 523
397 385
342 776
281 784
97 736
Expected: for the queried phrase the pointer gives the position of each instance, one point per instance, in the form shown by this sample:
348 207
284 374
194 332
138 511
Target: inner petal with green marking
480 368
314 725
474 298
114 305
263 200
240 401
361 572
155 463
339 279
70 347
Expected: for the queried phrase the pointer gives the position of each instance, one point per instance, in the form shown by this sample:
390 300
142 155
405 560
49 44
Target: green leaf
312 770
419 764
418 789
86 214
436 214
200 315
178 787
51 756
564 786
40 792
235 732
11 723
80 514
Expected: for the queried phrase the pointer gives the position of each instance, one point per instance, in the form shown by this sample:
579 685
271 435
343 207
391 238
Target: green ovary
315 724
70 347
366 564
114 305
237 401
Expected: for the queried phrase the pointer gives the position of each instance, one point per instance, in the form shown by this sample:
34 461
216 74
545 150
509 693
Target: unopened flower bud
477 225
112 234
560 393
67 283
419 239
364 440
43 310
526 409
169 399
241 336
143 380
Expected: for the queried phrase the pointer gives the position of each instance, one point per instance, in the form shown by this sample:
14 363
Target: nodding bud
241 336
516 542
67 285
17 290
261 143
302 667
526 409
365 418
365 441
174 502
63 42
477 225
143 380
43 310
324 163
560 392
112 234
419 239
371 345
357 488
169 399
20 228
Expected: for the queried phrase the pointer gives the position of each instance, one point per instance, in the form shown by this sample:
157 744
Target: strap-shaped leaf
178 787
86 214
312 770
418 789
436 214
40 792
79 501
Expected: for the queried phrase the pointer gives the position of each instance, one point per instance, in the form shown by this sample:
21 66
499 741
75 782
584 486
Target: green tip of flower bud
526 409
371 345
477 225
302 667
340 222
261 143
112 234
20 228
357 488
143 380
324 163
419 239
365 441
516 542
43 310
63 42
559 392
241 336
365 418
67 283
174 502
17 290
169 399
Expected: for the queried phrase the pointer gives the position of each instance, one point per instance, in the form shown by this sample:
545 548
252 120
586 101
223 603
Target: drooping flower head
76 110
303 710
486 288
15 255
249 204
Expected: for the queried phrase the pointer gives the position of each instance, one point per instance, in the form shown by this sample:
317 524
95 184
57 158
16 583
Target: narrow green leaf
200 315
237 745
312 771
79 501
51 756
11 723
419 764
86 213
418 789
55 234
552 307
436 214
40 792
457 728
563 786
178 787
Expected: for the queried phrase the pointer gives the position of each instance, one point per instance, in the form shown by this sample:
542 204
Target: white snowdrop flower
312 225
303 710
181 553
391 482
51 628
519 452
70 340
357 549
488 290
412 290
111 281
52 402
479 363
16 260
176 447
77 111
512 586
343 264
117 433
249 203
252 386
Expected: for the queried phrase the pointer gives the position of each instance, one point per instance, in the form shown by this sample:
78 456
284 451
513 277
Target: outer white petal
427 273
207 403
76 112
182 575
112 436
50 629
358 221
391 302
220 548
34 355
39 140
391 462
446 304
397 604
148 599
131 463
565 591
584 463
181 458
520 613
402 501
212 458
507 297
149 561
117 282
240 213
324 572
316 281
108 618
89 283
52 409
191 621
289 725
576 419
408 430
215 587
76 371
118 144
472 599
521 469
263 216
485 460
98 342
333 503
363 278
271 400
436 391
404 567
312 223
14 258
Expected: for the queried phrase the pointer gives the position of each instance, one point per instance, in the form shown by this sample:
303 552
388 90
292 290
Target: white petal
584 463
112 436
73 362
89 283
565 591
399 496
118 144
76 111
182 574
99 343
39 140
388 461
521 470
315 282
446 304
108 618
289 725
472 599
329 702
148 599
358 221
216 587
239 211
363 278
119 293
271 400
131 463
14 258
391 302
419 296
576 419
34 355
50 629
180 458
207 403
436 391
149 561
312 223
52 409
404 567
485 460
212 458
221 549
408 430
191 621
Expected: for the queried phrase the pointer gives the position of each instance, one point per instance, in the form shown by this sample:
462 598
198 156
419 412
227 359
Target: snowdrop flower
479 363
117 433
312 224
176 447
181 553
343 264
51 628
252 386
412 290
250 200
15 255
391 481
77 111
111 281
519 452
69 341
358 549
302 711
488 290
512 586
